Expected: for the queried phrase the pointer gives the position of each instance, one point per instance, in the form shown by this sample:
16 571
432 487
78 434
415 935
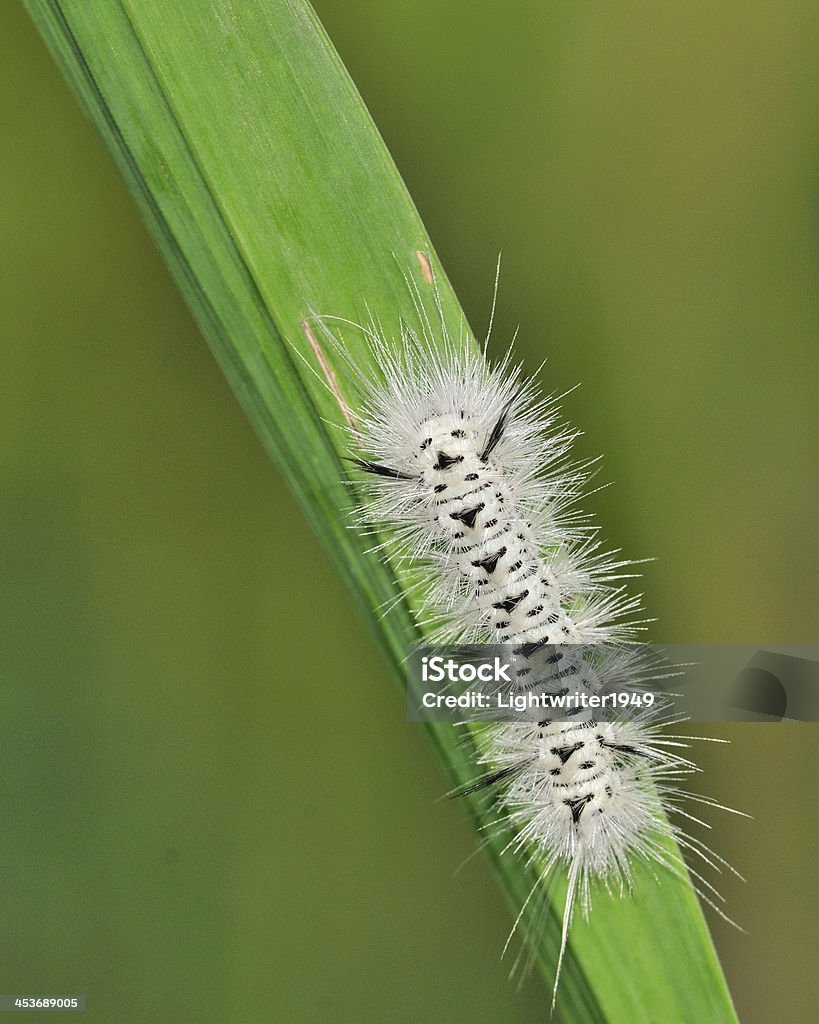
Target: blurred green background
193 828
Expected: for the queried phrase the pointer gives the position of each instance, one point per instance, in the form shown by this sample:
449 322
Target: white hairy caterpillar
467 468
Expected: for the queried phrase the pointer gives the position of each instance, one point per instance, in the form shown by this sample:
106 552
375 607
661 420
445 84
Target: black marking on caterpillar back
495 434
564 753
445 461
467 516
511 603
527 650
577 805
490 563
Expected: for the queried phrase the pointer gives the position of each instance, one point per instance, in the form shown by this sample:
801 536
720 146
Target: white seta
466 466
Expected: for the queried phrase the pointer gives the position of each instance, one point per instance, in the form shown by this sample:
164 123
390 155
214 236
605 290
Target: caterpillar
467 469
